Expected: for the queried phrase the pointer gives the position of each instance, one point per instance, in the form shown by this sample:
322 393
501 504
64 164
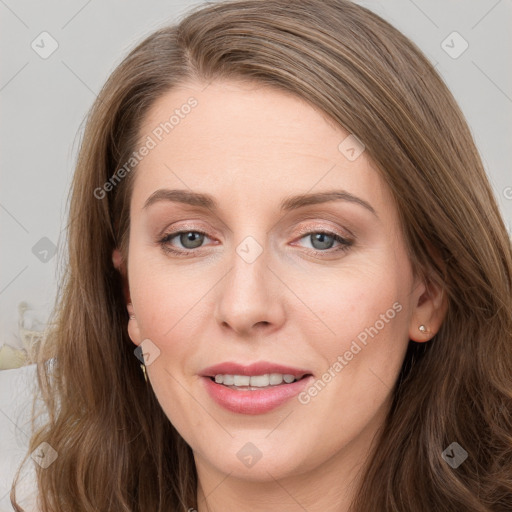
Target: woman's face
251 280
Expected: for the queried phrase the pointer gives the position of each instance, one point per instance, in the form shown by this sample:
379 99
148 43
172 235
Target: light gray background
44 102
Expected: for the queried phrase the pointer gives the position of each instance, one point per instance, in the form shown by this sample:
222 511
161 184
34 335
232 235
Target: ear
430 310
117 260
119 264
133 327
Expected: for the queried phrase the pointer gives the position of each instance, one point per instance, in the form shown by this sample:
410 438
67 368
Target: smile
254 399
254 381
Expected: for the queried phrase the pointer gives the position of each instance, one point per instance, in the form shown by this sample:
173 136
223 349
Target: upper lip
259 368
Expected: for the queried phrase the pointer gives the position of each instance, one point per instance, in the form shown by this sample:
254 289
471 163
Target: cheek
354 298
162 292
369 332
365 313
362 356
170 312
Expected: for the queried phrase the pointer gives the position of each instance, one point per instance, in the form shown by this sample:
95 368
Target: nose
250 298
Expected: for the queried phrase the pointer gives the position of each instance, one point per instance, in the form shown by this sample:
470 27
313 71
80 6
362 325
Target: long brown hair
117 451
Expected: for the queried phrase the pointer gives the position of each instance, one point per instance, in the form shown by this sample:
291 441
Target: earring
423 329
143 368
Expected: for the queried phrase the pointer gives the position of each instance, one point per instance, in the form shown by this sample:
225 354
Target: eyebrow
288 204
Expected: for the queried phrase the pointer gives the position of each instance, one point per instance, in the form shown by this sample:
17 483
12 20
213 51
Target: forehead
246 142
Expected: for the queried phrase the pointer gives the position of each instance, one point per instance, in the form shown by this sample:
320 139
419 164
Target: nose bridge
248 296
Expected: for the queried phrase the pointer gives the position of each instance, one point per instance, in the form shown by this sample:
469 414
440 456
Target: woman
279 208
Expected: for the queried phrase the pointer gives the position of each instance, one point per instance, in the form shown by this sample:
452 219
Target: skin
250 146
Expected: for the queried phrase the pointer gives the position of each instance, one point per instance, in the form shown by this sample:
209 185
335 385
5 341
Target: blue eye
326 239
192 239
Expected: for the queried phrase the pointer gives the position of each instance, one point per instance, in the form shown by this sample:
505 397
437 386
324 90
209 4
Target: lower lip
254 402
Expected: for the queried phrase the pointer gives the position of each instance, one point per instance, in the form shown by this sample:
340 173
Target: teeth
275 379
228 380
242 380
258 381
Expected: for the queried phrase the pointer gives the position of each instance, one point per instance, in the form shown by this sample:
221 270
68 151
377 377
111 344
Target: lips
253 400
259 368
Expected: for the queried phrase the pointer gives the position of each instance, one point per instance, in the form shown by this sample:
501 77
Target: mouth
256 382
258 369
254 389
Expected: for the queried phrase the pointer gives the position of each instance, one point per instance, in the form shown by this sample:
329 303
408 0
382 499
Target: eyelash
345 243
